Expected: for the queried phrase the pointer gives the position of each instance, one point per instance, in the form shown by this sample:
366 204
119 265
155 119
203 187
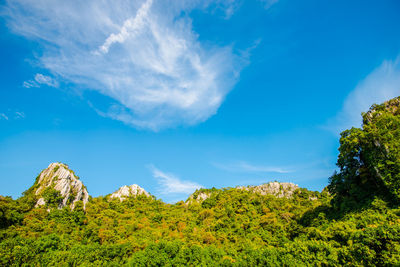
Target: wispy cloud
39 80
144 55
170 184
130 28
228 7
269 3
47 80
30 84
242 166
19 115
380 85
10 115
3 116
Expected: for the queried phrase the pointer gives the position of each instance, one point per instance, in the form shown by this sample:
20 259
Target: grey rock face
199 198
62 179
273 188
127 191
392 105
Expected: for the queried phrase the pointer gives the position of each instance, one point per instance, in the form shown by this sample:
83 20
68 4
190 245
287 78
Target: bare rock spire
127 191
59 177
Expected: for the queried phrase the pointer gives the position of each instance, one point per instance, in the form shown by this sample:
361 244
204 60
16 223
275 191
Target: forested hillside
354 221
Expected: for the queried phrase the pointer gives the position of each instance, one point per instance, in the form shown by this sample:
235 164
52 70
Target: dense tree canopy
369 159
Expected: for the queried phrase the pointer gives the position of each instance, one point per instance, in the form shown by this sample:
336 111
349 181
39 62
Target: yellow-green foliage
369 159
235 227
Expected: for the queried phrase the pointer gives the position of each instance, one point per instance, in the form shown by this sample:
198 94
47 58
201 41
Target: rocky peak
198 197
127 191
391 106
59 177
273 188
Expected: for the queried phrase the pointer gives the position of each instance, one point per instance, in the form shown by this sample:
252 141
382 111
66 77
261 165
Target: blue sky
177 95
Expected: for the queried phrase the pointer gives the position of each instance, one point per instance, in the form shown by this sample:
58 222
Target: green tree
369 159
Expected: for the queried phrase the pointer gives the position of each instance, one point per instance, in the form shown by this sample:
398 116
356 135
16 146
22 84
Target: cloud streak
143 55
19 115
269 3
131 27
170 184
12 115
242 166
39 80
380 85
3 116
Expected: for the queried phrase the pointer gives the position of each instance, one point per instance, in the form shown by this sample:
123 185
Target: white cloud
144 55
10 115
19 115
228 7
39 80
269 3
242 166
130 27
3 116
170 184
30 84
380 85
47 80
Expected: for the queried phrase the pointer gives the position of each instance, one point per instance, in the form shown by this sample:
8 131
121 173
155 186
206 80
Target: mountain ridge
59 177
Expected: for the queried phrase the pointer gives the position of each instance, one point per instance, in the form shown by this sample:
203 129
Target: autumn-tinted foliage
357 223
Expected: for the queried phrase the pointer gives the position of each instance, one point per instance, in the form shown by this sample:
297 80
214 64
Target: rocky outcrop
273 188
392 106
129 191
60 178
198 197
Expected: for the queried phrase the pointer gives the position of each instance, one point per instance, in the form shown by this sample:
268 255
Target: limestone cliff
198 196
58 177
273 188
391 106
127 191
